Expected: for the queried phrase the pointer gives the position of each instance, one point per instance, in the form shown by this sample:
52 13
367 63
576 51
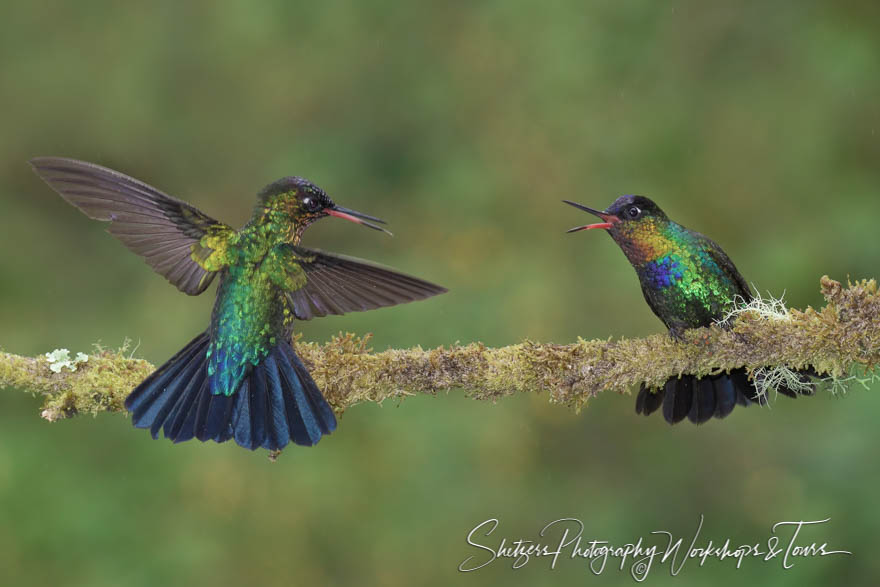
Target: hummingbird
241 378
689 282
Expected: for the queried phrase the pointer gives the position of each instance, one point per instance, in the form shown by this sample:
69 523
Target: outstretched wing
173 237
336 284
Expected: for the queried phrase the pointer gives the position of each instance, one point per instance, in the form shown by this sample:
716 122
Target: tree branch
843 334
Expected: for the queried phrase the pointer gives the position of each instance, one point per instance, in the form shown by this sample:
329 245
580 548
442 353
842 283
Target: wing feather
336 284
163 230
730 270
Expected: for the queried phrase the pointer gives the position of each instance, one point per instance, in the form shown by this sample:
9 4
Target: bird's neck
273 225
647 240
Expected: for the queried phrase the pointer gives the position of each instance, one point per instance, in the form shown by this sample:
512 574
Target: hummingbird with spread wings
689 282
241 378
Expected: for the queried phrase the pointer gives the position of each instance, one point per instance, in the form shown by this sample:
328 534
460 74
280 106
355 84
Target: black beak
356 217
610 219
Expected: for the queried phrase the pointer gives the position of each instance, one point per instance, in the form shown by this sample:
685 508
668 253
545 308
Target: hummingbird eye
634 211
311 203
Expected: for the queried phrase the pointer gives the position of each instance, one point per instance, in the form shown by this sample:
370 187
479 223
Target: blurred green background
463 124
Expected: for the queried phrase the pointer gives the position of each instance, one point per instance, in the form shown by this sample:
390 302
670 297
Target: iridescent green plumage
686 278
689 282
241 378
252 312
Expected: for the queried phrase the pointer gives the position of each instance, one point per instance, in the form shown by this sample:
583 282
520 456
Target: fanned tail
278 402
701 399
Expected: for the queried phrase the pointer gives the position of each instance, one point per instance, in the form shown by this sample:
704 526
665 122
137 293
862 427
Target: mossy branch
843 334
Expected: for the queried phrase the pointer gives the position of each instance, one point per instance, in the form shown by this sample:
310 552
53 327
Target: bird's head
623 215
634 222
304 203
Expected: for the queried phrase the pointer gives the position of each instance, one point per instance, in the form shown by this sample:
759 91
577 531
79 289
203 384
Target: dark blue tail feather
172 392
704 402
181 422
700 399
154 396
725 396
321 410
251 411
278 402
277 430
305 428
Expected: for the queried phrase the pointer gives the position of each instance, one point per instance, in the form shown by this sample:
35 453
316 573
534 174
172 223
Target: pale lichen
97 384
769 379
840 386
60 358
769 308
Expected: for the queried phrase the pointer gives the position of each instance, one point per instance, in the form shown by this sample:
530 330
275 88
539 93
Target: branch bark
843 334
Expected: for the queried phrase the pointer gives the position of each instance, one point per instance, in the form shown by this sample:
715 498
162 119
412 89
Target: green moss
840 338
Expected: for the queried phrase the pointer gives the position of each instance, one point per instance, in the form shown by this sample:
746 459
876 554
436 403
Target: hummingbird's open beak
356 217
610 219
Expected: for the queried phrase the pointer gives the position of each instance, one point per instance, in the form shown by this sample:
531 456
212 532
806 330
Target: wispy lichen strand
842 335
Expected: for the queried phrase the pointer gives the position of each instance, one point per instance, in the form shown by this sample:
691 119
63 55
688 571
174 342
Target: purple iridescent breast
664 271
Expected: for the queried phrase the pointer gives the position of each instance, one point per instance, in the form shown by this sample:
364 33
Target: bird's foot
677 333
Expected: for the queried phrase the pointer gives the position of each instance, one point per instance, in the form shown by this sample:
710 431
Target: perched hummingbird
240 378
689 282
